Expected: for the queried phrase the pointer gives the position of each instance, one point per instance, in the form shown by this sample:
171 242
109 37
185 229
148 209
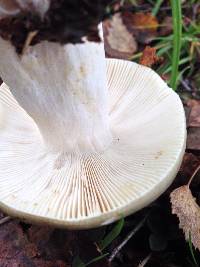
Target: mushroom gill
84 140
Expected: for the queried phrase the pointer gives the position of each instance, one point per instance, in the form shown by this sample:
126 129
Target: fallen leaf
34 234
185 207
189 164
167 26
194 119
149 57
17 248
193 102
119 43
25 262
142 25
187 114
193 139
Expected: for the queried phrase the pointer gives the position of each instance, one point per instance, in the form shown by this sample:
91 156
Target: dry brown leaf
189 165
185 207
119 43
149 57
193 139
142 25
167 26
194 120
192 103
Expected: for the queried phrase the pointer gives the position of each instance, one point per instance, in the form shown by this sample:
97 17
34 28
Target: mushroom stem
64 90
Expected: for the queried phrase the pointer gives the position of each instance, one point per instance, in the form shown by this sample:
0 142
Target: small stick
128 237
145 261
28 41
193 175
4 220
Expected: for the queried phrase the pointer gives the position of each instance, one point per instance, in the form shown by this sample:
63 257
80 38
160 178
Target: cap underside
82 191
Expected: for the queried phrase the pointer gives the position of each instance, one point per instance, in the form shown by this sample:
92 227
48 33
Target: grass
156 8
102 245
191 251
177 26
178 49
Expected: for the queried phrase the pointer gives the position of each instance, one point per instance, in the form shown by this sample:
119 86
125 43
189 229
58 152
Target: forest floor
151 237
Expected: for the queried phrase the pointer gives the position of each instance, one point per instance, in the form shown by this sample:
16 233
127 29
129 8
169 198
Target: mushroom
84 140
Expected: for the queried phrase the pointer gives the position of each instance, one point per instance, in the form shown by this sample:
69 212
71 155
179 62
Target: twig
5 220
128 237
145 261
28 41
193 175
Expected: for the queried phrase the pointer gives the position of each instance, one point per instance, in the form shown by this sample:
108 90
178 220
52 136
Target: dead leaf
167 26
185 207
194 119
119 43
189 164
187 114
193 139
149 57
142 25
193 102
37 248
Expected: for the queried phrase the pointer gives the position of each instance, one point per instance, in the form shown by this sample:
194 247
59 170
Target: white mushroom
84 141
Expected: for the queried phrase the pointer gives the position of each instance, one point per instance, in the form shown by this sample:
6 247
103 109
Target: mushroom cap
83 191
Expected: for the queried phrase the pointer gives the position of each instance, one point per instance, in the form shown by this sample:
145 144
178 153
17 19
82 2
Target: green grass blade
177 25
97 259
111 236
157 7
163 50
191 250
77 262
181 62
